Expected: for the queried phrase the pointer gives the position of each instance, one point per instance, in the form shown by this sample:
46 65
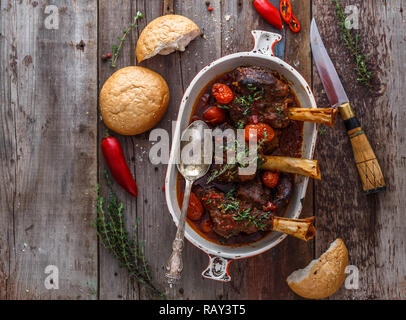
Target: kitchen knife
365 159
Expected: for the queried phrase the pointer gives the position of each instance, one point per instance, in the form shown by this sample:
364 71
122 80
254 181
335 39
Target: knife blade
365 159
328 74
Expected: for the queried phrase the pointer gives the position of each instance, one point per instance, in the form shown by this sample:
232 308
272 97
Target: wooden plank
198 54
114 17
263 276
371 226
48 154
298 54
178 70
156 229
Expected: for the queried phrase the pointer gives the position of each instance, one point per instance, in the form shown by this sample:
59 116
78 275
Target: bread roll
133 100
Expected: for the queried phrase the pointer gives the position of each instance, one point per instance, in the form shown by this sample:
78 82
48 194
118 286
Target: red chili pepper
294 25
210 8
269 12
114 156
108 55
286 10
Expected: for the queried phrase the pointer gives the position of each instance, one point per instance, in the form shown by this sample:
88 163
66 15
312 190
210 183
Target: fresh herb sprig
351 40
117 48
258 220
278 110
113 236
246 152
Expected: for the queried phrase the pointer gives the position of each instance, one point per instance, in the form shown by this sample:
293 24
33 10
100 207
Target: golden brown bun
133 100
164 35
322 277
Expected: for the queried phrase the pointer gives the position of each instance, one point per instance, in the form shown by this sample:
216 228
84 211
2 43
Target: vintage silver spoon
191 168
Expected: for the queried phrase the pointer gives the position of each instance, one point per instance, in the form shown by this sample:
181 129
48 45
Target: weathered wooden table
50 162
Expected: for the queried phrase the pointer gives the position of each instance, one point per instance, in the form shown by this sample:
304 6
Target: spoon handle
175 263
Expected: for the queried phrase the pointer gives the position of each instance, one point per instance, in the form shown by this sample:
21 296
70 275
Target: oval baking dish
262 56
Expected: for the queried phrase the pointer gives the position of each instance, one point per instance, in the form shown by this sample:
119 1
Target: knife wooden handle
368 167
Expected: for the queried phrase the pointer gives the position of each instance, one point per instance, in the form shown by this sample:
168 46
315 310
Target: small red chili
108 56
269 12
294 25
286 10
114 156
210 8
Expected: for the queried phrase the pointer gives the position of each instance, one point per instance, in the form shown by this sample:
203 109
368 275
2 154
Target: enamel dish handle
265 42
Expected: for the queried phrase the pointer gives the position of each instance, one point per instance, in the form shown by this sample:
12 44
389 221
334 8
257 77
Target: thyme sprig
351 41
117 48
246 152
130 253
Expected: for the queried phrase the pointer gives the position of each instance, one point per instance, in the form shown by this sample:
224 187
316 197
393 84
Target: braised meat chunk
249 77
254 192
263 94
232 216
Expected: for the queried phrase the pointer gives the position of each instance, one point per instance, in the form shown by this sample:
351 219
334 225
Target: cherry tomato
195 209
215 115
222 93
206 226
262 131
270 179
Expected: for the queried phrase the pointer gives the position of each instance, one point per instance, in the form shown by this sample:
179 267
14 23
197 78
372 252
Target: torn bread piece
164 35
322 277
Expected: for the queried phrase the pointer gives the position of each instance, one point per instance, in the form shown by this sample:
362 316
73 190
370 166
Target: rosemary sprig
351 41
117 48
113 235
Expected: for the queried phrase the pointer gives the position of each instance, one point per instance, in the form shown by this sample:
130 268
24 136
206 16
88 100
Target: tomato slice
195 210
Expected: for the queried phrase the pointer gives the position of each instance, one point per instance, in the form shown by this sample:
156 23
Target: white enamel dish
262 56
